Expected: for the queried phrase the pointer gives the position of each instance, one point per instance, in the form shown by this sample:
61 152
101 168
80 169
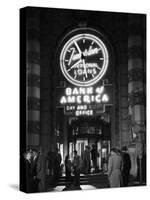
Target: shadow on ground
14 186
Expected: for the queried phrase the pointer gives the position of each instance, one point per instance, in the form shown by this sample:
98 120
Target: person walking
126 166
114 168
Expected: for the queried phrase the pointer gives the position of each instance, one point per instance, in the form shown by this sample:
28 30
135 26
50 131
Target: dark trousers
125 178
95 164
76 177
68 178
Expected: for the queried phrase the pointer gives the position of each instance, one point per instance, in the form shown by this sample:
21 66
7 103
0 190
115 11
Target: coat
126 168
86 161
77 163
41 173
114 170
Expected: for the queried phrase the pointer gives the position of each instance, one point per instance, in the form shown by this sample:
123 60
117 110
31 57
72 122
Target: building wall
137 76
119 116
46 30
32 77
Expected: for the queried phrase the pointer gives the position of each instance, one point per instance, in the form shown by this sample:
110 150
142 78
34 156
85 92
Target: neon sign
80 110
84 59
84 95
85 99
81 100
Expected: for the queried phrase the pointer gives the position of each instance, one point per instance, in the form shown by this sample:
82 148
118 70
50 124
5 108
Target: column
65 136
136 86
33 77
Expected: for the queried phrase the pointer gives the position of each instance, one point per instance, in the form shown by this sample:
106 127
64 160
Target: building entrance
77 132
80 145
87 131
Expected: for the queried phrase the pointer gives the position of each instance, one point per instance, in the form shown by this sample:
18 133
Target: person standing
76 167
50 162
94 156
114 168
86 160
34 171
68 168
56 166
28 166
126 166
41 172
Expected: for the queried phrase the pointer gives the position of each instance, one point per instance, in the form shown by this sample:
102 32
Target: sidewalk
92 181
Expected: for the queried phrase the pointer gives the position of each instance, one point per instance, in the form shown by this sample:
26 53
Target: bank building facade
85 82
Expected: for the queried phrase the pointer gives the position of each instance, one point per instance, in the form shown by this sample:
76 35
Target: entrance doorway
80 145
90 131
77 132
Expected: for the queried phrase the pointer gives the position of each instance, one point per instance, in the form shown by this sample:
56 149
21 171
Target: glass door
80 145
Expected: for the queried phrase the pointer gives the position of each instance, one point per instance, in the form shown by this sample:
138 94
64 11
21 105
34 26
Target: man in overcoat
114 168
126 166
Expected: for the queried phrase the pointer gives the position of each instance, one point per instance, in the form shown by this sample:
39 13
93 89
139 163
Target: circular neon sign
84 59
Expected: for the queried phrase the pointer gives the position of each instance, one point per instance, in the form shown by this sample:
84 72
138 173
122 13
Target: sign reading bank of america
86 100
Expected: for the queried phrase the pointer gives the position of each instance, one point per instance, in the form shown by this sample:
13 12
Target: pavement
92 182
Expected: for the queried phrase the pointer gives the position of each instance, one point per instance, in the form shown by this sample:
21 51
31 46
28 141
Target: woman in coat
114 168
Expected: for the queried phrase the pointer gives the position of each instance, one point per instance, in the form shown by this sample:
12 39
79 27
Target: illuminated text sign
85 100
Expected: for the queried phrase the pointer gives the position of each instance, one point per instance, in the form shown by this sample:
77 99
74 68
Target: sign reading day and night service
83 61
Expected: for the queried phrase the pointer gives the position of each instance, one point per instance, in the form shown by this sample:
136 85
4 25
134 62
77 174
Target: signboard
87 110
86 101
84 58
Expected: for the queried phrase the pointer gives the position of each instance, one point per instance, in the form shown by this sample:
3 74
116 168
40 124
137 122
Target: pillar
32 77
136 86
65 137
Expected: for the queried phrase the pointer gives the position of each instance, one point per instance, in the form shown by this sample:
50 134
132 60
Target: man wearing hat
114 168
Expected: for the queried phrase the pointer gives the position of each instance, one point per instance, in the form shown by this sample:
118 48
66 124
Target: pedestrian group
42 170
